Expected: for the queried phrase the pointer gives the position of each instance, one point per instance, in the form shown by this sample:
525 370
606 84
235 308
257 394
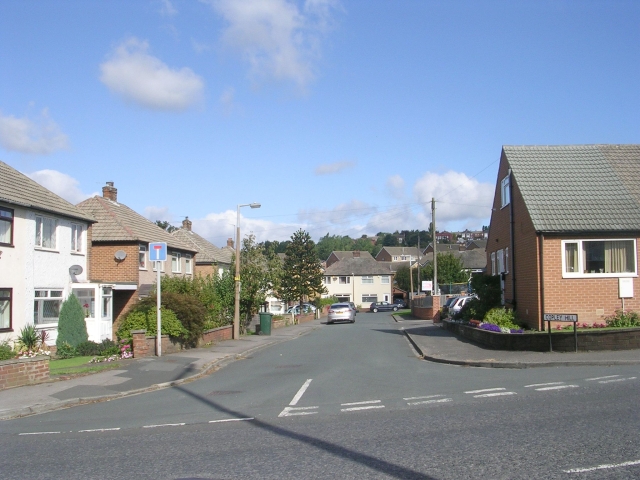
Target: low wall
426 308
23 371
145 345
564 341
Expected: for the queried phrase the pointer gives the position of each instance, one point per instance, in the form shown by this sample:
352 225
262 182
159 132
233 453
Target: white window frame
500 261
188 264
580 274
505 193
506 260
76 238
493 263
385 279
155 262
40 222
369 296
327 280
176 263
142 257
38 303
367 279
344 280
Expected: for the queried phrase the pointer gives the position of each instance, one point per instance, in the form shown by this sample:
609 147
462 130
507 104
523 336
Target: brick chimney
110 192
186 224
356 253
230 242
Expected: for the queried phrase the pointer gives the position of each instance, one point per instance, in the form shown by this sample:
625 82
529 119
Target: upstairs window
6 226
142 257
175 262
385 279
367 279
327 280
344 280
76 238
604 258
46 232
505 192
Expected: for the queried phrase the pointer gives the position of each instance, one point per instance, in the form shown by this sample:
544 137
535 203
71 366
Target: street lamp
236 313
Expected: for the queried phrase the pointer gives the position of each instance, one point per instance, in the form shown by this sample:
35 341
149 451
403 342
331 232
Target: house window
395 258
607 258
46 306
175 262
142 257
5 308
45 232
500 261
385 279
155 266
6 226
187 264
504 190
87 298
107 295
367 279
344 280
506 260
493 263
327 280
76 238
367 297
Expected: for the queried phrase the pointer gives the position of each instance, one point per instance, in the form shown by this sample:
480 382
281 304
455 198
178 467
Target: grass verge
78 365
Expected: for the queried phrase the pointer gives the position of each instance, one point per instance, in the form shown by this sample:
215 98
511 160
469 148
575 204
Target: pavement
135 376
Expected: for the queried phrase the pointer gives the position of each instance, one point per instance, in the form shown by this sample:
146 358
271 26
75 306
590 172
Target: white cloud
218 227
276 38
336 167
136 76
61 184
41 136
459 199
341 216
158 213
395 185
167 9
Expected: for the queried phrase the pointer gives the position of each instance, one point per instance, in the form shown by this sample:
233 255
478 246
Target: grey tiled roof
475 259
118 223
401 251
207 251
579 188
18 189
362 265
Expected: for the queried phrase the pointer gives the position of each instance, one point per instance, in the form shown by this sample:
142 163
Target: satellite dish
75 270
120 255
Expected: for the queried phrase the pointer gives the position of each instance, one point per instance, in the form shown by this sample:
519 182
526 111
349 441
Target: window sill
77 254
50 250
7 245
6 330
599 275
144 269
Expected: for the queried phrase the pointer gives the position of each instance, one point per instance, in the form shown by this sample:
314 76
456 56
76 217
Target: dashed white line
485 390
601 378
435 400
557 387
164 425
99 430
420 398
224 420
603 467
298 395
495 394
617 380
353 409
293 411
543 384
366 405
360 403
38 433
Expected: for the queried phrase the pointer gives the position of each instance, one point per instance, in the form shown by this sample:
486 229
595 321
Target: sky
338 116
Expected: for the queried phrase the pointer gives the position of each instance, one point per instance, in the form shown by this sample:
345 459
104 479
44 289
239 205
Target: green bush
72 328
65 350
141 320
88 348
108 347
6 351
28 339
487 289
623 319
501 317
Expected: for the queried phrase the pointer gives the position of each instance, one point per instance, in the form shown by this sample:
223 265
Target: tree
163 224
72 328
301 273
333 243
450 269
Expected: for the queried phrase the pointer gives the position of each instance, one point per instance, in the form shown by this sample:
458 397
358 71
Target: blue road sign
158 251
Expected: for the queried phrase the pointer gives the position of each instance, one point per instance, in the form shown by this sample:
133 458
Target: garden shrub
141 320
623 319
72 328
88 348
6 351
28 339
65 350
487 289
501 317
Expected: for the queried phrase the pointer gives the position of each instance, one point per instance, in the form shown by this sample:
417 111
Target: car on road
383 307
353 306
400 303
341 312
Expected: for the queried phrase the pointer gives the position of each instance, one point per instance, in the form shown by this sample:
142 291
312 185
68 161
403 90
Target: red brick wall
145 346
23 371
105 268
206 269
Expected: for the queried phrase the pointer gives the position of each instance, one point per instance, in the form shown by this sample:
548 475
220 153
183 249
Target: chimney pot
110 192
186 224
230 242
356 253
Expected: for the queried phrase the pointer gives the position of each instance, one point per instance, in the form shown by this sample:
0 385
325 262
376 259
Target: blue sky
340 117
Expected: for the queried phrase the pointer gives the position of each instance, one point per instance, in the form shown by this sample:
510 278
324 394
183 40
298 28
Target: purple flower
490 327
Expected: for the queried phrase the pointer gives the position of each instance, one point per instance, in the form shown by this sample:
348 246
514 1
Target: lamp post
236 313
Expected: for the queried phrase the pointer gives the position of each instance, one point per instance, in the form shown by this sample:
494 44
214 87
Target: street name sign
560 317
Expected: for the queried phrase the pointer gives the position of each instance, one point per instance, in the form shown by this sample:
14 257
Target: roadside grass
77 365
404 313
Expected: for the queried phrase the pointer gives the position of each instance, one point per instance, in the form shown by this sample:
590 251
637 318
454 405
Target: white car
306 308
458 303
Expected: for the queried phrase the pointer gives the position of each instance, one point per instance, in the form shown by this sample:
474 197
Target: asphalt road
346 401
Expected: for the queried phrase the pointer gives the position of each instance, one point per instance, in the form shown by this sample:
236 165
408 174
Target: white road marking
292 411
420 398
353 409
617 380
495 394
424 402
543 384
99 430
231 420
298 395
164 425
360 403
485 390
603 467
557 387
600 378
38 433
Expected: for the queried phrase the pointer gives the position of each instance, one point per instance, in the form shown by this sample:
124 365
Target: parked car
457 305
341 312
306 308
383 307
400 303
447 304
354 307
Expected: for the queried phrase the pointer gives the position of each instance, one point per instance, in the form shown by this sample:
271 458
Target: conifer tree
72 328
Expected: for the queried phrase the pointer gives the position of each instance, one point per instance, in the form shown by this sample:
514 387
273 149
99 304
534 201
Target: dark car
383 307
400 303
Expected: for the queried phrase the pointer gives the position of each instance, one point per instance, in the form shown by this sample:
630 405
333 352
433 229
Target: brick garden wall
23 371
145 345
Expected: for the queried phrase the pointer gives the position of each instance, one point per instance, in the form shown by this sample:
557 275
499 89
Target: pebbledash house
564 231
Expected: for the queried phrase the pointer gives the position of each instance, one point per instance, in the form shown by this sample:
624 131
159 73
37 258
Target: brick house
564 230
210 260
120 250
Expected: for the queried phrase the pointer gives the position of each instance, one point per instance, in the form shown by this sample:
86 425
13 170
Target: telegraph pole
435 243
